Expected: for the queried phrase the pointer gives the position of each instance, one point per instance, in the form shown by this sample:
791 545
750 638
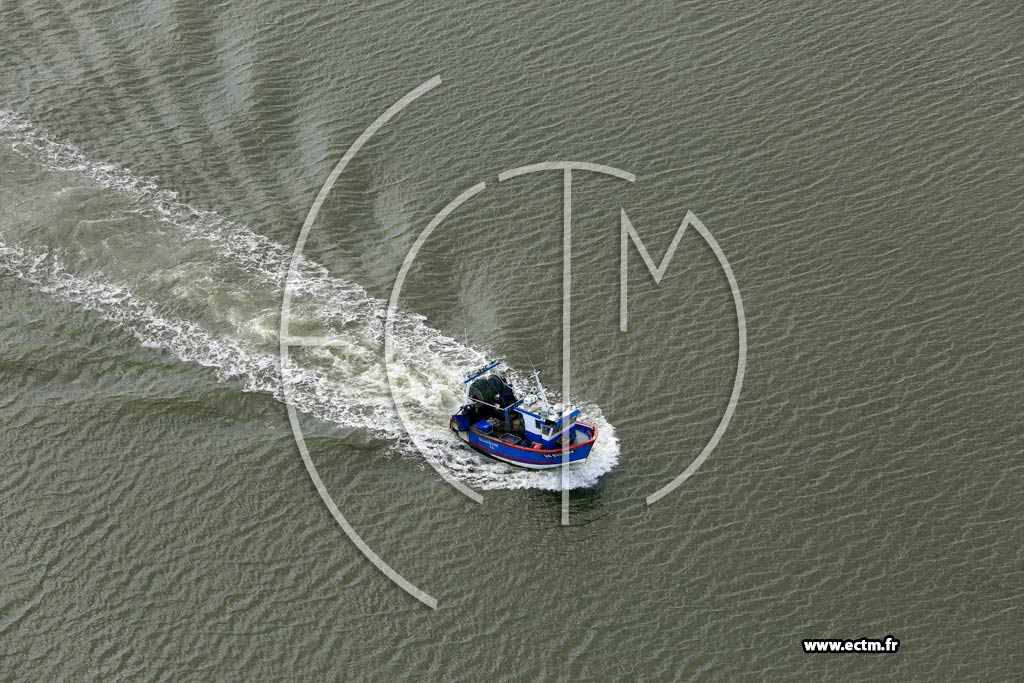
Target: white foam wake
344 384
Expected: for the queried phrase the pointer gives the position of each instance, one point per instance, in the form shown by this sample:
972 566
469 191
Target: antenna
532 366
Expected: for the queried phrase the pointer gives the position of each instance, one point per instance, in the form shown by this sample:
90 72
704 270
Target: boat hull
533 458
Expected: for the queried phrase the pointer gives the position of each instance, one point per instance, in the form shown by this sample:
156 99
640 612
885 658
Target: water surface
858 163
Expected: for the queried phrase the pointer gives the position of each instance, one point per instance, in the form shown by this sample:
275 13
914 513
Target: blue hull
533 458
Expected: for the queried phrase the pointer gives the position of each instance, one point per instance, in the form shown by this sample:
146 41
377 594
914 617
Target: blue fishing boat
526 432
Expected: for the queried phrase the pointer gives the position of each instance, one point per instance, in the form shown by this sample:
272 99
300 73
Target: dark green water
859 163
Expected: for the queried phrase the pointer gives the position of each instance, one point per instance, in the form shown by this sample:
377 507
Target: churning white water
211 295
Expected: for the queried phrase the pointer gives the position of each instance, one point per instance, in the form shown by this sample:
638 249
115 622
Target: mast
540 392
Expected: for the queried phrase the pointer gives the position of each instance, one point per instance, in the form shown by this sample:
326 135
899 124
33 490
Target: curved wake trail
207 258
